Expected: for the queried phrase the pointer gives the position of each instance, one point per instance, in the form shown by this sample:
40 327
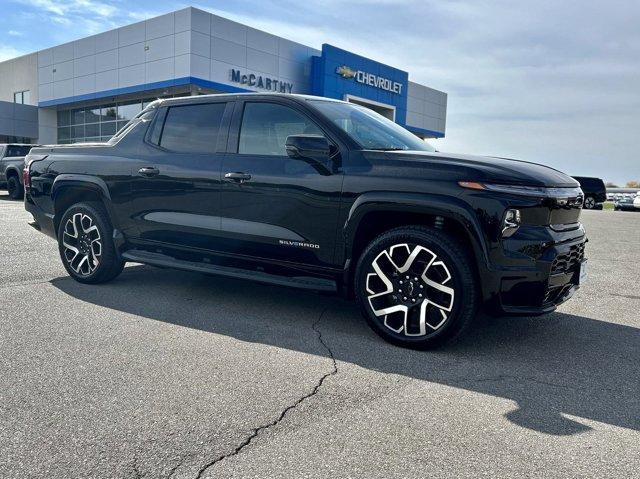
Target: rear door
176 182
273 206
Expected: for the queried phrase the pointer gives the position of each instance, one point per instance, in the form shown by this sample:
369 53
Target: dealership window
266 126
192 128
99 122
22 97
96 122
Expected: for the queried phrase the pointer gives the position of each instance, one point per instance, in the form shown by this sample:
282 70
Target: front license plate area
582 274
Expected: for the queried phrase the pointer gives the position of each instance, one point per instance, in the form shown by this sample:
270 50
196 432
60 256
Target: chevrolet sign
370 79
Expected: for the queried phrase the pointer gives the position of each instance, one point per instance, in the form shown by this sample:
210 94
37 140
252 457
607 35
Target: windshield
369 129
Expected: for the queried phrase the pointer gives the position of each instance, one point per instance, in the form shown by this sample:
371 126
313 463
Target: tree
610 184
633 184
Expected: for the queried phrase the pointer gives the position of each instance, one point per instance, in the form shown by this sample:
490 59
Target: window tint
14 150
265 127
192 128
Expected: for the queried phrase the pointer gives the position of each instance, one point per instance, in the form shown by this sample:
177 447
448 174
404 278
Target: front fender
449 207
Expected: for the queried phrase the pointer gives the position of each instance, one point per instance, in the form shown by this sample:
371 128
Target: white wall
426 108
19 74
189 42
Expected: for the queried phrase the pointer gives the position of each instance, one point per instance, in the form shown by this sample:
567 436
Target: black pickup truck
316 194
11 165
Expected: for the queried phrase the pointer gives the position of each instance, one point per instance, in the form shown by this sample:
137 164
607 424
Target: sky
553 81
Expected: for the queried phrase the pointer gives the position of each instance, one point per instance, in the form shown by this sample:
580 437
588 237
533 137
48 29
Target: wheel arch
373 214
13 171
68 190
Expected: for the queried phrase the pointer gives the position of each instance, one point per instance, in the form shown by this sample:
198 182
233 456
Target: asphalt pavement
172 374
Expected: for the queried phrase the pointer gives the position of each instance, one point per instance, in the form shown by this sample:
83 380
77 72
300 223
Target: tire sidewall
462 280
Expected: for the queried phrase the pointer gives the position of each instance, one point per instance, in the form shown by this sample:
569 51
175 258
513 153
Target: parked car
625 202
636 201
595 193
11 164
316 194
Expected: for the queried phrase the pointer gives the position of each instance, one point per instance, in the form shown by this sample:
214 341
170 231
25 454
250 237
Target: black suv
316 194
595 192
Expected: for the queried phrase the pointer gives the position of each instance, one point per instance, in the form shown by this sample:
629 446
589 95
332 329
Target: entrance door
388 111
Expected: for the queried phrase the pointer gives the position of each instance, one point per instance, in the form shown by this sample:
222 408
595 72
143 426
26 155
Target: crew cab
317 194
11 164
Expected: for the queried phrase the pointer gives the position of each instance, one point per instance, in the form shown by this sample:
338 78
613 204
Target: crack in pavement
254 433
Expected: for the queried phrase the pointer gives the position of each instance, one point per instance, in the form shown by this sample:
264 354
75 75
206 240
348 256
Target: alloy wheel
82 244
410 289
589 203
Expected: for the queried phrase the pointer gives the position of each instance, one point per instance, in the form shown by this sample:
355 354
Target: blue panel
144 87
327 82
422 131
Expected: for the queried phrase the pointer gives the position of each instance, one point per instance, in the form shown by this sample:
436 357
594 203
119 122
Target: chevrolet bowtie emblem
346 72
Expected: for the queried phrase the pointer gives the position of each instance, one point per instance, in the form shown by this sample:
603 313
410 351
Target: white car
636 201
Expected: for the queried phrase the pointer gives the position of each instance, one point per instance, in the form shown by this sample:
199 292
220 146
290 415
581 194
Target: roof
197 98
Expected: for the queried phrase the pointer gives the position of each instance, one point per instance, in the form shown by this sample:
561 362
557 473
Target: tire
16 192
86 245
434 315
589 203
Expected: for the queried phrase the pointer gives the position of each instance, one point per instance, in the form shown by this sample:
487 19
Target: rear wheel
14 188
589 203
86 245
416 288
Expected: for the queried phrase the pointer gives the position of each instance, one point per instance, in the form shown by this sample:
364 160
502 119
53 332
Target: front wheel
86 245
416 287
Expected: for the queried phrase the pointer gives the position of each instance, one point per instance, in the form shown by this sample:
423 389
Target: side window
265 127
192 128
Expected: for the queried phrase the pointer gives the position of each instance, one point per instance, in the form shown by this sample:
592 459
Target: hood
489 169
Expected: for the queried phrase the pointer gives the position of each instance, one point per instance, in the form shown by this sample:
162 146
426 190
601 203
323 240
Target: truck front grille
567 262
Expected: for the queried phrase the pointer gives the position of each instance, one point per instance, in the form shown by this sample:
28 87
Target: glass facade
93 123
96 123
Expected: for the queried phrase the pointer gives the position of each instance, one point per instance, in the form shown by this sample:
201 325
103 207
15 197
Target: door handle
237 177
149 171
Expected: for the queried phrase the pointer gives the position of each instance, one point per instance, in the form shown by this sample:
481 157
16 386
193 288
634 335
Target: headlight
511 222
535 191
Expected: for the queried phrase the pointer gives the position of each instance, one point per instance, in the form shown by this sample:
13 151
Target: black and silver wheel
14 188
85 244
415 287
589 203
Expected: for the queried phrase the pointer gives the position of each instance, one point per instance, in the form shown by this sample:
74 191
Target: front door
273 206
176 180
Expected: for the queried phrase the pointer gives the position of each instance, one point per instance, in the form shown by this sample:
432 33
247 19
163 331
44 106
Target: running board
300 282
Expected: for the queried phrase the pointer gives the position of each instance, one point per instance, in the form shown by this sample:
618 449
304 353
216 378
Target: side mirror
313 147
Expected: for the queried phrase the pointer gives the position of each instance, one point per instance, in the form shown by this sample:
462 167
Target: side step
301 282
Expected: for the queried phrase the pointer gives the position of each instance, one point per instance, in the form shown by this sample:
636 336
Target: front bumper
550 276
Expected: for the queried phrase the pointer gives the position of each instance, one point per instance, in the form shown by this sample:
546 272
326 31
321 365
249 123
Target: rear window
18 150
191 128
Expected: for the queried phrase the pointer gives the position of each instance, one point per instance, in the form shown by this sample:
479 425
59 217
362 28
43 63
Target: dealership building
87 89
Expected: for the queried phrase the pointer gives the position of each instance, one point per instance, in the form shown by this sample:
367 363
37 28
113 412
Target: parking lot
179 375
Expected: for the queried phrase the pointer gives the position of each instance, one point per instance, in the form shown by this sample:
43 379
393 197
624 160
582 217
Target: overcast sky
551 81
